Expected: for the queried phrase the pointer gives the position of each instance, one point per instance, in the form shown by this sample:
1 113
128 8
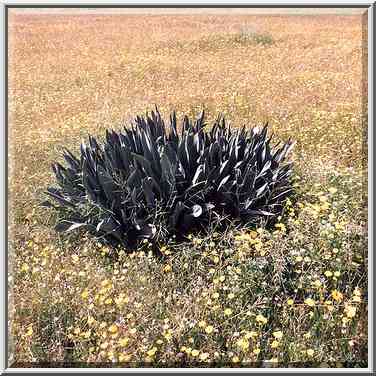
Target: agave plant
150 182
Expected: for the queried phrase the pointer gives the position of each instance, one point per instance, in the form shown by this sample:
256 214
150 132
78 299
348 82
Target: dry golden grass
71 75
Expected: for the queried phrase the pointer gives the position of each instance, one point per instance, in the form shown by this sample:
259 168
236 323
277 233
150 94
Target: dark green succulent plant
150 182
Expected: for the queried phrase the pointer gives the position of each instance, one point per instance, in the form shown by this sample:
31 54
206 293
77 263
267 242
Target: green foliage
146 182
246 37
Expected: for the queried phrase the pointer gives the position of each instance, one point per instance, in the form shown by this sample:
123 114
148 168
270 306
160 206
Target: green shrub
147 182
249 35
245 37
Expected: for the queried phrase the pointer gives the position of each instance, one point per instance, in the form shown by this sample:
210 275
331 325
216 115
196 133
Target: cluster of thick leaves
147 181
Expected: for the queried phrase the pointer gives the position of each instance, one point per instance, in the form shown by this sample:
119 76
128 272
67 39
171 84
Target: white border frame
3 199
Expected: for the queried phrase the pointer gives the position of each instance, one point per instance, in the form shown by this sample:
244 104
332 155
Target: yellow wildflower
167 268
350 311
85 294
310 302
86 334
356 299
317 283
29 331
168 334
280 226
152 351
113 329
194 353
24 268
258 246
249 335
165 251
121 299
228 311
243 344
209 329
124 341
261 319
336 295
325 206
104 345
274 344
253 234
307 335
278 334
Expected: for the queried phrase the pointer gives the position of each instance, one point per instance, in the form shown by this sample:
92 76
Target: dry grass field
292 296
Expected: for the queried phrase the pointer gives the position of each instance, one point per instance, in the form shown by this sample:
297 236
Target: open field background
219 300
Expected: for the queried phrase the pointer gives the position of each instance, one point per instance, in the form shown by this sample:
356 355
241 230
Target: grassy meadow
294 295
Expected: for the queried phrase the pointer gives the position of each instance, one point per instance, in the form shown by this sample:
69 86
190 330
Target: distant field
74 75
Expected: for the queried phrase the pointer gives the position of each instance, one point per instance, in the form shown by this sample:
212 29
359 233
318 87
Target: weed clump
247 35
146 182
